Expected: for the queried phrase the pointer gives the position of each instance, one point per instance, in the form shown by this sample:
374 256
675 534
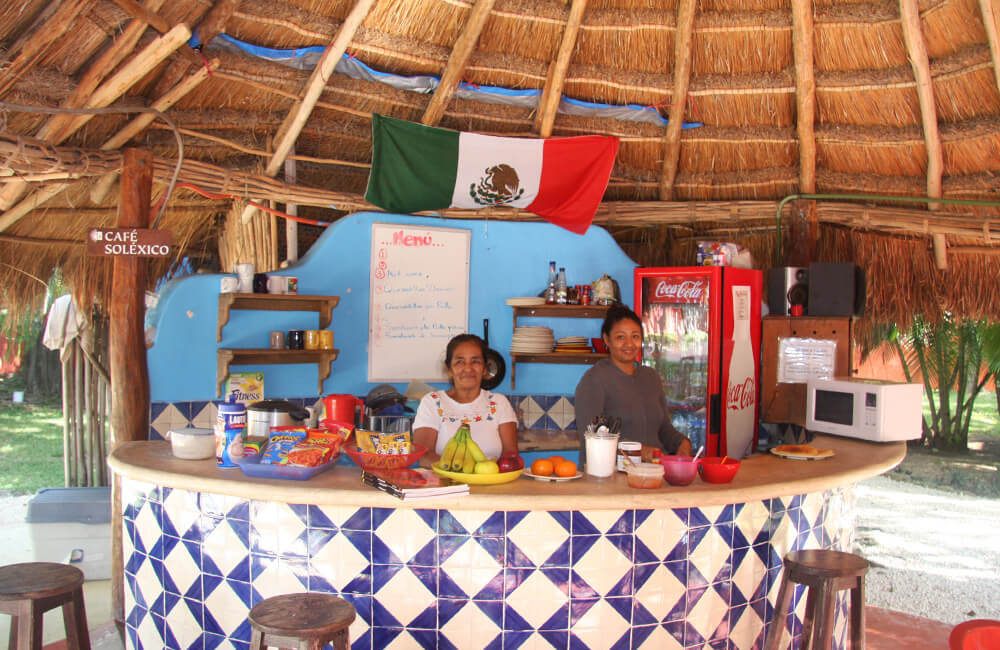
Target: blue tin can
230 432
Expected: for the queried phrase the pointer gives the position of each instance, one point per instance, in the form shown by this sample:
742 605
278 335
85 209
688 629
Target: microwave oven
866 409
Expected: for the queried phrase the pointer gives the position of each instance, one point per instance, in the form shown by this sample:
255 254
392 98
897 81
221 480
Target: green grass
985 420
30 448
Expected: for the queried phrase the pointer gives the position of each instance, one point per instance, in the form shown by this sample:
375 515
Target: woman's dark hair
459 340
618 312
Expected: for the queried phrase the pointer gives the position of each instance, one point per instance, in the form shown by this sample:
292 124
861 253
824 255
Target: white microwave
866 409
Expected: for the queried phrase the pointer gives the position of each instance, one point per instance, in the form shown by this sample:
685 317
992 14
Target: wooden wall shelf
556 311
276 302
226 357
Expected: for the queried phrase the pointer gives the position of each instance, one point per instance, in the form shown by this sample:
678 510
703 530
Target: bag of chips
280 443
319 447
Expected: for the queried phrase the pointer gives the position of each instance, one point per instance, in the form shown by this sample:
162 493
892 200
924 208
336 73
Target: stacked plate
526 301
573 344
531 340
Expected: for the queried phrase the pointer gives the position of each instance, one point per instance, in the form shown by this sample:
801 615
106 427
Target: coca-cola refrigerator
701 333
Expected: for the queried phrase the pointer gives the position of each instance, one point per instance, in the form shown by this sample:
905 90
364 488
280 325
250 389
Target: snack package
319 446
280 443
253 447
366 440
396 444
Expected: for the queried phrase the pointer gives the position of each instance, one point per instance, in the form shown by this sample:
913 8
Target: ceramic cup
277 340
296 339
260 282
292 284
326 339
229 284
276 284
312 339
245 274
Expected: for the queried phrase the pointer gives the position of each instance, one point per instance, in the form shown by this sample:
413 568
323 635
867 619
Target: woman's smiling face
624 342
468 367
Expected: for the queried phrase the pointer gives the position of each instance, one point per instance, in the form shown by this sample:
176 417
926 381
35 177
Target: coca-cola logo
684 291
741 395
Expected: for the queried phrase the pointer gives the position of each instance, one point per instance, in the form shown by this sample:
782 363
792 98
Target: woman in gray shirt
620 387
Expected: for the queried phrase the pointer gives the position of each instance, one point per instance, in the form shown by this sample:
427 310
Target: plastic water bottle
550 288
561 286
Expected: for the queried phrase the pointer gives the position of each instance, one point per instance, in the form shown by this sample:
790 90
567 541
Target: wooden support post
940 251
129 374
803 234
678 98
549 104
805 93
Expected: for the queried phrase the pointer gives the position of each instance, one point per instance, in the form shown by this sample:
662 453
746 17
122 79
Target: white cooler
73 526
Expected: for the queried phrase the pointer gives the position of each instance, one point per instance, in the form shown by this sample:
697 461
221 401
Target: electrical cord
111 110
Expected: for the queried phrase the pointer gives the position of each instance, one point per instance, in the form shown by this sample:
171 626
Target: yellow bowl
478 479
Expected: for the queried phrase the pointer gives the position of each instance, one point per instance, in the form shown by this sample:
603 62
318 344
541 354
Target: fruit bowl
713 470
478 479
679 470
385 461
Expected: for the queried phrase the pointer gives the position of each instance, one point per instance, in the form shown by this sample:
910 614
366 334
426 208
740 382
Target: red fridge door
679 308
740 363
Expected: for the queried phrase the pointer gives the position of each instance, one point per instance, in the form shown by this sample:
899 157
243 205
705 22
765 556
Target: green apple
487 467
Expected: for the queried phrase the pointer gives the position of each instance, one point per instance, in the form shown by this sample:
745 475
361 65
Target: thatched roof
830 96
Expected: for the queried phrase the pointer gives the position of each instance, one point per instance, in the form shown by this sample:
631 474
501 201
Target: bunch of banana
462 454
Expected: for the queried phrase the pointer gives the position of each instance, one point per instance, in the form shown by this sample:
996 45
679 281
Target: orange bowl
599 345
713 470
385 461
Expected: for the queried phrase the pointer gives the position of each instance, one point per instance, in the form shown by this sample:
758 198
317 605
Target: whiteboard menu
419 299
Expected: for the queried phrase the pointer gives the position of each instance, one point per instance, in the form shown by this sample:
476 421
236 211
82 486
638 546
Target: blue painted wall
507 259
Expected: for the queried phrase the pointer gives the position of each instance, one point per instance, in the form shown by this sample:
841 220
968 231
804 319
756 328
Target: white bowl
192 443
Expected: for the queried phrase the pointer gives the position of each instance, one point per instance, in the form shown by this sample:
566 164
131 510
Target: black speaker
787 286
836 289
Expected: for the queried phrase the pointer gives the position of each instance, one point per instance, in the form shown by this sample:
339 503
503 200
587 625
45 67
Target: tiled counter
585 564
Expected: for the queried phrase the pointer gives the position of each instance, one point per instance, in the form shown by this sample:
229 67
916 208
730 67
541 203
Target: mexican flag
417 167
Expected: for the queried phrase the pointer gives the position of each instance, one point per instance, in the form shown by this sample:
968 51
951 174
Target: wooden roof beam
113 88
290 129
212 23
991 21
805 92
916 49
545 117
678 99
460 54
41 38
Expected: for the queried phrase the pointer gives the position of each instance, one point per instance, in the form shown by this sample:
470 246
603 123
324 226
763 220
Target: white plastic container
602 453
72 525
192 443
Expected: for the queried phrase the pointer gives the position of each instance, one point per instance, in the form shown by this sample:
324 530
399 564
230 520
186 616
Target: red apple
510 462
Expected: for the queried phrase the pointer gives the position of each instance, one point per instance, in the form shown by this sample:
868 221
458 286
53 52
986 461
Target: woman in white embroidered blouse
491 419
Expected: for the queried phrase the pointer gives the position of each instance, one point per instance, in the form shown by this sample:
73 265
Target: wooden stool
305 621
824 573
30 589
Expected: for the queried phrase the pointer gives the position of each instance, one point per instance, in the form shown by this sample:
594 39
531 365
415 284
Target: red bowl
713 470
385 461
599 345
679 470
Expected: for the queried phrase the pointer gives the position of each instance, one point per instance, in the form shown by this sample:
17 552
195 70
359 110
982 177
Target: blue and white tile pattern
424 578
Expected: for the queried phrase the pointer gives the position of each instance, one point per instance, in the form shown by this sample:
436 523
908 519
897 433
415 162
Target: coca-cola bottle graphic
741 390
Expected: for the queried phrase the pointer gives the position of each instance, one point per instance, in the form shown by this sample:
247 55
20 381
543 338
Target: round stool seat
823 573
308 618
36 580
30 589
825 564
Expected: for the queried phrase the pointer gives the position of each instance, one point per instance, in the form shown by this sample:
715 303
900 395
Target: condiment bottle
550 289
631 449
561 286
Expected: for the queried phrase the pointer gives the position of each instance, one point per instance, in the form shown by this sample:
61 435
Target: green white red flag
417 167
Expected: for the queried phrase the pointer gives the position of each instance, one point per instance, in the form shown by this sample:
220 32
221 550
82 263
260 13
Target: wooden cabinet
556 311
786 403
226 357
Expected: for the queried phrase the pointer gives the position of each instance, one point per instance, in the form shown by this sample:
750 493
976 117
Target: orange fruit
555 460
542 467
566 468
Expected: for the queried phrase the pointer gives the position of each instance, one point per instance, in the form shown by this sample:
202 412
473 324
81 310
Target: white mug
276 284
245 273
229 284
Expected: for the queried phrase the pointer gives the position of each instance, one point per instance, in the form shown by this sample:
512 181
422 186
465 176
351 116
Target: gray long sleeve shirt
637 399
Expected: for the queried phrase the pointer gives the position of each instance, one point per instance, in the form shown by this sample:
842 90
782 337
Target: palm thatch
831 102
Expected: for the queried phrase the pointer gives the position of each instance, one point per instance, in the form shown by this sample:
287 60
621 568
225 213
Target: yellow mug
326 339
312 339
